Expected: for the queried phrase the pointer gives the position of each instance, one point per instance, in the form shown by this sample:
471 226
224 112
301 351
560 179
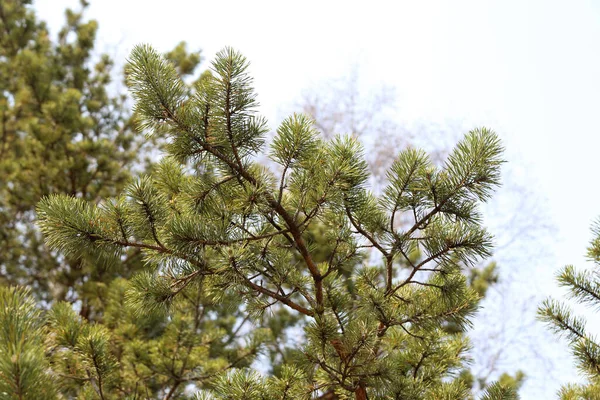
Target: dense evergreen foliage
62 131
341 105
230 226
161 280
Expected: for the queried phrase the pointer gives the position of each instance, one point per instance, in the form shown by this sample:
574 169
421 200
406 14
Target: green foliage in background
23 364
63 131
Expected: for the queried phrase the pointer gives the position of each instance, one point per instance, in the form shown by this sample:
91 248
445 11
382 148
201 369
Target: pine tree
340 105
62 131
212 219
584 287
23 365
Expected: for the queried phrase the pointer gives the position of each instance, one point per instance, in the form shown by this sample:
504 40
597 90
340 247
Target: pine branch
277 207
582 285
283 298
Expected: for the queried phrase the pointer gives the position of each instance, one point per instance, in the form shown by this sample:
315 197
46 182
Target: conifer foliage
23 365
583 287
60 132
69 334
211 219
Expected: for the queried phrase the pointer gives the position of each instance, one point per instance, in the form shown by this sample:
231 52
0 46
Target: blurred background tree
61 131
65 129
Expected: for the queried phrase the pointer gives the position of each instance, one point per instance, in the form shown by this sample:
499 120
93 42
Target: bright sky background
528 69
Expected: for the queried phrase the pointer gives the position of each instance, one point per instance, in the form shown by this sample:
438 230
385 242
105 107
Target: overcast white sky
528 69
